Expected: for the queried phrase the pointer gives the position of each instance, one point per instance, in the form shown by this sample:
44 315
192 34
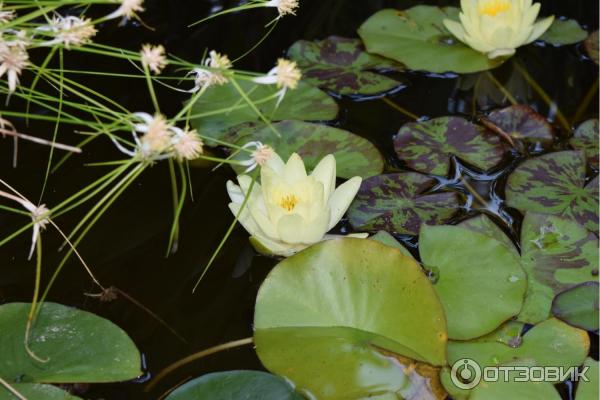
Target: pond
529 108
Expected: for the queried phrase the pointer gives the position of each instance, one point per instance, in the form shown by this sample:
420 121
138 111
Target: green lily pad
578 306
550 343
472 268
79 347
557 254
511 389
343 66
332 301
417 38
36 391
589 390
221 108
586 138
427 146
564 31
234 385
483 224
354 155
399 203
591 46
554 184
387 239
521 122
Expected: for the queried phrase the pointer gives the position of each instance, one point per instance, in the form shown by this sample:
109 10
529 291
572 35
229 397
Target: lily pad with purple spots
578 306
221 109
400 203
521 122
556 253
428 146
343 66
554 184
591 46
354 155
417 38
586 138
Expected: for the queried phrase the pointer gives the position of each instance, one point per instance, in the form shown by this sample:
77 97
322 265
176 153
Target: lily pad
554 184
387 239
36 391
483 224
417 38
511 389
349 308
586 138
578 306
589 390
472 268
78 346
399 203
427 146
354 155
564 31
521 122
557 254
591 46
550 343
221 108
234 385
343 66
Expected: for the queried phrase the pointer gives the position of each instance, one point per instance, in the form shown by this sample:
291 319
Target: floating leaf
399 203
472 268
387 239
591 46
521 122
418 38
354 155
557 254
578 306
512 389
554 184
427 146
221 108
589 390
79 346
564 31
550 343
483 224
586 138
342 65
233 385
36 391
332 306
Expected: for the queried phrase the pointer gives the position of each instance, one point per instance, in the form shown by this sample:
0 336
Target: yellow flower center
494 7
288 202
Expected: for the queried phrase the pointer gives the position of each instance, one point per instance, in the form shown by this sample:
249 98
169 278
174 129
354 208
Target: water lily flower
290 210
497 27
69 30
284 7
285 75
153 57
127 9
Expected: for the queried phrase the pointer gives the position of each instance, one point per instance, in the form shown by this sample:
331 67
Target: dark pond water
126 249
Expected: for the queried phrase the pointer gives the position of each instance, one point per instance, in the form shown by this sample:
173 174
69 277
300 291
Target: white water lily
290 210
498 27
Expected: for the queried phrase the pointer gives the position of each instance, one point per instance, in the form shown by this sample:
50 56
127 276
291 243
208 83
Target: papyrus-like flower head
69 30
290 210
128 9
13 60
498 27
153 57
284 7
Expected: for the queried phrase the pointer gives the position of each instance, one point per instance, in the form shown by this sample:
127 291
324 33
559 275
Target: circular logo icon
465 374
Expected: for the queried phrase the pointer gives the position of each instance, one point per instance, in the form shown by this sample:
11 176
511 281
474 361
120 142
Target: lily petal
342 197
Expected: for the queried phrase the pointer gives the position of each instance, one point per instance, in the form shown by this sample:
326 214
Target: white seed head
40 215
284 7
13 60
128 9
153 57
262 154
72 31
157 136
187 145
6 15
288 74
